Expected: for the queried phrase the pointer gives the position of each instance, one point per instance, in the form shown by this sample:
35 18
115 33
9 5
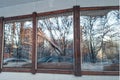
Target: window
100 40
17 43
79 41
55 41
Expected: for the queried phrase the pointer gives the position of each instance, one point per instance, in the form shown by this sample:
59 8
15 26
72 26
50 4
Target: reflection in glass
101 42
55 42
17 44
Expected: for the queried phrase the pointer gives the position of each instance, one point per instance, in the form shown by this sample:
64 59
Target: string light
34 7
75 2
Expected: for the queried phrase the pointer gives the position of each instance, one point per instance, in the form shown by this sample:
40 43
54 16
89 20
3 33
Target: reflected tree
58 32
98 31
14 39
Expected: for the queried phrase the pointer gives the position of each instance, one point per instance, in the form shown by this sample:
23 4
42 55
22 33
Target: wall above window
7 3
51 5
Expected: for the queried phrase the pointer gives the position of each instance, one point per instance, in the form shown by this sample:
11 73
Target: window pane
17 44
100 41
55 42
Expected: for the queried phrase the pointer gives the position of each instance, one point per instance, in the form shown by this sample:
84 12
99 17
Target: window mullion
1 42
34 43
77 49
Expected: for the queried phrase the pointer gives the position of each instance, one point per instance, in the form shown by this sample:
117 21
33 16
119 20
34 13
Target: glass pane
100 41
17 44
55 42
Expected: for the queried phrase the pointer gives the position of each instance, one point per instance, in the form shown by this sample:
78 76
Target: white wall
51 5
45 76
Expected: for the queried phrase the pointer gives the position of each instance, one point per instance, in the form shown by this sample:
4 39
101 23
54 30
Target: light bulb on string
75 2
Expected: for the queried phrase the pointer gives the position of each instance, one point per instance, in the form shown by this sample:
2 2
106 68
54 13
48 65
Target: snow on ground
94 66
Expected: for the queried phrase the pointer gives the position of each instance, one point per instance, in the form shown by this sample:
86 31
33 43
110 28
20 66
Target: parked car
54 62
15 62
55 59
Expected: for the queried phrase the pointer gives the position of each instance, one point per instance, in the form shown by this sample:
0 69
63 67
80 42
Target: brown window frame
7 19
100 72
77 50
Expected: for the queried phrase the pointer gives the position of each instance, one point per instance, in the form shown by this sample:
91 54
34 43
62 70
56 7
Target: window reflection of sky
13 36
57 26
103 23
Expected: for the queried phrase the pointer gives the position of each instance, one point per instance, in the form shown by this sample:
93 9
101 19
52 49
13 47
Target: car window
21 61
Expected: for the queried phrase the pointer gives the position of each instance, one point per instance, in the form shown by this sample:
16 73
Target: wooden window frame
100 72
1 40
77 50
54 71
7 19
